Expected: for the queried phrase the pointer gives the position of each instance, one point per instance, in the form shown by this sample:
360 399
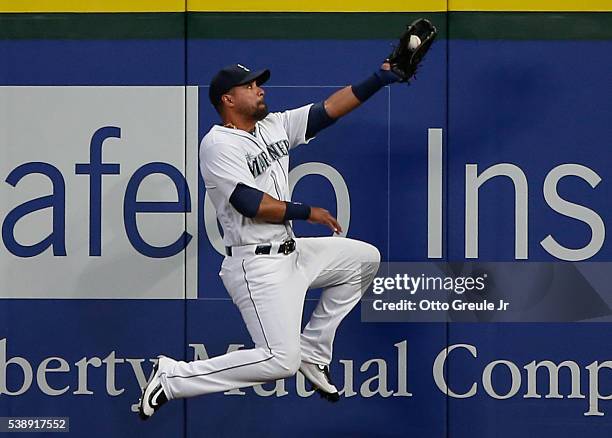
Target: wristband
387 77
364 90
296 210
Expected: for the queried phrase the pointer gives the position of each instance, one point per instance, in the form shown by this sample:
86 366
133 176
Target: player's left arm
342 102
400 66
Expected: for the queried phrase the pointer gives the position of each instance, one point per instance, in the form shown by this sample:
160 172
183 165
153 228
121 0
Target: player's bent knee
370 261
292 363
287 362
364 252
369 254
374 255
286 367
293 368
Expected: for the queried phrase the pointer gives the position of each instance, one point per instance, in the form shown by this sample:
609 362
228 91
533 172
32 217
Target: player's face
249 100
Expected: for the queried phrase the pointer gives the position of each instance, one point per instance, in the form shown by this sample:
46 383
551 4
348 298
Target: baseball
414 42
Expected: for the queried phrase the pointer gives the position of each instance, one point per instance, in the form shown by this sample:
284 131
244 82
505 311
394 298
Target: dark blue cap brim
260 76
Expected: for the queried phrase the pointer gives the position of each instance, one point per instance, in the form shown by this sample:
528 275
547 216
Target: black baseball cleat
318 376
153 395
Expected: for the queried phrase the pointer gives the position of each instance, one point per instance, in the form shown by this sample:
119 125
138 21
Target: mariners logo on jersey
229 157
259 163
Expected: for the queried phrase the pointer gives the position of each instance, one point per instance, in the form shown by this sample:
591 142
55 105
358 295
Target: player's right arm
225 169
255 204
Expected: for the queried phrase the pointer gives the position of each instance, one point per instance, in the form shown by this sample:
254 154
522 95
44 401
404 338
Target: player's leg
342 267
269 294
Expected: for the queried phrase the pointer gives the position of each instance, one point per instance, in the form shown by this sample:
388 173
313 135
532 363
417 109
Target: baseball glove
413 45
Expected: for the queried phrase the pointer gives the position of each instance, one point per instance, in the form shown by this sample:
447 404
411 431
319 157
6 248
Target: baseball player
267 269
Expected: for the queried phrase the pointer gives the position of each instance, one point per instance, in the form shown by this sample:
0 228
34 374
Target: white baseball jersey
260 160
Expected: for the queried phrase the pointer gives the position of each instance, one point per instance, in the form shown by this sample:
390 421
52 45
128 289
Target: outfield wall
110 252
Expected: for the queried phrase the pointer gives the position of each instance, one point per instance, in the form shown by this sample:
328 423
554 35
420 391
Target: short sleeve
223 167
295 122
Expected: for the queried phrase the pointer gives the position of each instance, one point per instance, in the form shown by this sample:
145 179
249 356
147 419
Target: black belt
287 247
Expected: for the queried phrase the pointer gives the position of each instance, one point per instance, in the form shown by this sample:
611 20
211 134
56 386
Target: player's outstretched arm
347 99
400 66
342 102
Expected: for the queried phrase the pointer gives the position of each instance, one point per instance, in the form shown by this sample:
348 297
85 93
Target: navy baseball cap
232 75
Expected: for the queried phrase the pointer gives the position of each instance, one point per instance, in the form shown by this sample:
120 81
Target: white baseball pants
269 291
